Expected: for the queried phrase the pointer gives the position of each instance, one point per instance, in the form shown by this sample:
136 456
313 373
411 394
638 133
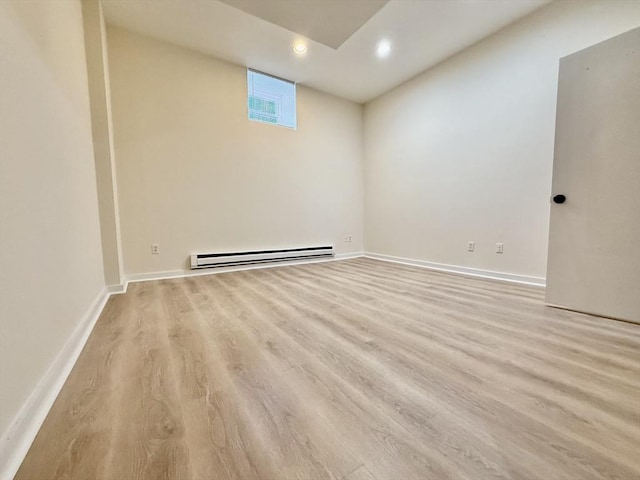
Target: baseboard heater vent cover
231 259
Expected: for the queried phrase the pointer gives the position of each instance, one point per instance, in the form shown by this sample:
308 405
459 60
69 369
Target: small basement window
271 99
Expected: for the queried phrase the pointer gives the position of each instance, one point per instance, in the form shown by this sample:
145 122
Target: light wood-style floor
352 370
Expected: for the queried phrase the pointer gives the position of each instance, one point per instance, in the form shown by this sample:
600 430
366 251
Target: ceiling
325 21
341 35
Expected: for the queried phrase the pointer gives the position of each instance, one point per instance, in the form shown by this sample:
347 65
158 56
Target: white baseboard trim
471 272
17 439
346 256
144 277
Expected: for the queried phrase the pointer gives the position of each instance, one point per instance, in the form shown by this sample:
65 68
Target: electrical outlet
155 248
348 238
499 248
471 247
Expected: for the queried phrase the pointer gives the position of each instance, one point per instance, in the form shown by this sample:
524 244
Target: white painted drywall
464 151
95 36
51 259
195 175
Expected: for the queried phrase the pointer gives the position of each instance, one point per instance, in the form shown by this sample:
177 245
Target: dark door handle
559 199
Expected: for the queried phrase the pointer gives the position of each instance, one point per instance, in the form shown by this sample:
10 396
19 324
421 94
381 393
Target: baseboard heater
230 259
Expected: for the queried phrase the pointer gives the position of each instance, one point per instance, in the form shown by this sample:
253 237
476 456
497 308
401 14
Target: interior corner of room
123 153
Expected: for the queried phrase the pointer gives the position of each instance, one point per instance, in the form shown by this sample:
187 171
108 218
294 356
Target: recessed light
300 48
384 49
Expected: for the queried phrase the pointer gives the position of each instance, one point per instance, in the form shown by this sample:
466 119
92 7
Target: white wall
95 39
464 151
195 175
51 259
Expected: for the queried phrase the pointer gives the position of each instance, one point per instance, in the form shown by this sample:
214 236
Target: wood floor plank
425 401
362 473
221 445
626 397
357 369
626 414
353 417
293 428
150 441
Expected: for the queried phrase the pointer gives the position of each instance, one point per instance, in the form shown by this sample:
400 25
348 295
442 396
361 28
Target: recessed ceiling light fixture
384 49
300 48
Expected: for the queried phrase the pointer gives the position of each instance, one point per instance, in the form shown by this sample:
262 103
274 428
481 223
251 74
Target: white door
594 237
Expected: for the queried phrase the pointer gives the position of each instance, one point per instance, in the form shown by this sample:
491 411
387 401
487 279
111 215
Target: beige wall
95 38
50 260
195 175
464 152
